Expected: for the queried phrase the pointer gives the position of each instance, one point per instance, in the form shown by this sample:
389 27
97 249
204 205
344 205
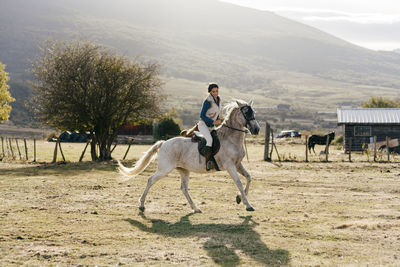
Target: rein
236 129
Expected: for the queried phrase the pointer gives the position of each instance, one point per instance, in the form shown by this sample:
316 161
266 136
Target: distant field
313 101
23 132
307 214
305 91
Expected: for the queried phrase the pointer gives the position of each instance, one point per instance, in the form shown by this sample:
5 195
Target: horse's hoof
141 209
198 211
250 209
238 199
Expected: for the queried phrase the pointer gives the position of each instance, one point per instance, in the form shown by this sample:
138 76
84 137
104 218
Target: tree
86 87
380 102
5 96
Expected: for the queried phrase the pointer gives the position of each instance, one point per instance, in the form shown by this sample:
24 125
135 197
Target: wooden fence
10 146
27 149
370 150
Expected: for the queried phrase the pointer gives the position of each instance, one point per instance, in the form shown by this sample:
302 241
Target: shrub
167 128
338 140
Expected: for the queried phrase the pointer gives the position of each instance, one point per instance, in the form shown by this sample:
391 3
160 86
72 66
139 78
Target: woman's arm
207 120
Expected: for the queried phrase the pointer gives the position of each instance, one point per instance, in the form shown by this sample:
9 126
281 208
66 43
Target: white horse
182 154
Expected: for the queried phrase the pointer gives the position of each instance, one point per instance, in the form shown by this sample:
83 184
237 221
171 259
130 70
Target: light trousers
205 130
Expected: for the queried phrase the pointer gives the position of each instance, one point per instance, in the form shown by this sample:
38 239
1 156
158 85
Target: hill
250 53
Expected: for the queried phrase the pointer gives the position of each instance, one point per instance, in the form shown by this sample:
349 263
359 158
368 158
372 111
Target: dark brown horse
320 140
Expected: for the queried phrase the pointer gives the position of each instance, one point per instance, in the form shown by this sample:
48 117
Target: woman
209 118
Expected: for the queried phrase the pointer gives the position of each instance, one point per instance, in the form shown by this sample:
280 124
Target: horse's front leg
243 171
235 176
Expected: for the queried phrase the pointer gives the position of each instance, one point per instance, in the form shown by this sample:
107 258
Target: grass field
307 214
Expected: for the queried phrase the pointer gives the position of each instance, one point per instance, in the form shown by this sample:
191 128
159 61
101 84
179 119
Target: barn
362 124
136 129
141 133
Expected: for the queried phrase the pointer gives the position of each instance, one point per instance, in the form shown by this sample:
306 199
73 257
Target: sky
373 24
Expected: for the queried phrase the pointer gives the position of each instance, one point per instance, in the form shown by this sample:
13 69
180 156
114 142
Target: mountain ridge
259 52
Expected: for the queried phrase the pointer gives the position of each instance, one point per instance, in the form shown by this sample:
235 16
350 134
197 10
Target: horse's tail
142 163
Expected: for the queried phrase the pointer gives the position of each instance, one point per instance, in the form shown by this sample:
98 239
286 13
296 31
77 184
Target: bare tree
86 87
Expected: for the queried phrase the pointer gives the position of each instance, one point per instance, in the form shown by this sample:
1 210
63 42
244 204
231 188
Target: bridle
248 114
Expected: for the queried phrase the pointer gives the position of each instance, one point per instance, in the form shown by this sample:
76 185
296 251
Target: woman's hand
217 122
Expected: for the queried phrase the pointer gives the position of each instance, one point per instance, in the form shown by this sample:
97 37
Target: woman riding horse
209 118
182 154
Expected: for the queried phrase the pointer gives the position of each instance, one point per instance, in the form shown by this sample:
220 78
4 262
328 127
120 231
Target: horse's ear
238 103
251 103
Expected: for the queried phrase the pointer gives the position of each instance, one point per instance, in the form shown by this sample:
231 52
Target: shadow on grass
223 239
60 168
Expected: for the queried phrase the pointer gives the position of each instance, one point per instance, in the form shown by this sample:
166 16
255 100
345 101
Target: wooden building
362 124
136 129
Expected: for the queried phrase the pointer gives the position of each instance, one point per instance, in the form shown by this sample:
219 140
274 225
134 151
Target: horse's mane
227 112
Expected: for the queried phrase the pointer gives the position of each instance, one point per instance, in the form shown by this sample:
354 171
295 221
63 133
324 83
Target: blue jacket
206 106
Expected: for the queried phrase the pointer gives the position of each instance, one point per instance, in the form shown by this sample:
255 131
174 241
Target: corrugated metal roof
368 115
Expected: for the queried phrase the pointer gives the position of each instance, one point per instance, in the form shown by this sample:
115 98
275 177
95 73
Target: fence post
55 152
266 147
2 147
350 145
19 151
388 149
306 148
374 148
272 144
26 149
115 145
12 151
62 154
84 150
327 148
34 150
129 146
8 147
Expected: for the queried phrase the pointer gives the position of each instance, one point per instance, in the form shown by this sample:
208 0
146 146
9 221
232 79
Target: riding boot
208 156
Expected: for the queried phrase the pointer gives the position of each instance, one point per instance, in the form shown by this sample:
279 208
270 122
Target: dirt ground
307 214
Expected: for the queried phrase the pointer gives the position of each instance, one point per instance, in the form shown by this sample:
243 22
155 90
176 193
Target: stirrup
210 165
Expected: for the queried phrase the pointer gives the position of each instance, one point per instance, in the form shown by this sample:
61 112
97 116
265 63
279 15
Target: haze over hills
250 53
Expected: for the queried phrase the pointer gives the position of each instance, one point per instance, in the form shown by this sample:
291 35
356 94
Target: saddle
189 132
201 141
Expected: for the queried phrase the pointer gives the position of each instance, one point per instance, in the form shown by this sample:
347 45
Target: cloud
371 24
383 46
324 15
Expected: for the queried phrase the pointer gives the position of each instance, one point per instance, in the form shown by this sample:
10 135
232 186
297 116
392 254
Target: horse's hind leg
185 188
152 180
312 147
243 172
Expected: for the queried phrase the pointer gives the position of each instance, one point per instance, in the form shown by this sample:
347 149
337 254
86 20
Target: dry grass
307 214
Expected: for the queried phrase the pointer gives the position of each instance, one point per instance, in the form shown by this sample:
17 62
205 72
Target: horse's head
247 119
